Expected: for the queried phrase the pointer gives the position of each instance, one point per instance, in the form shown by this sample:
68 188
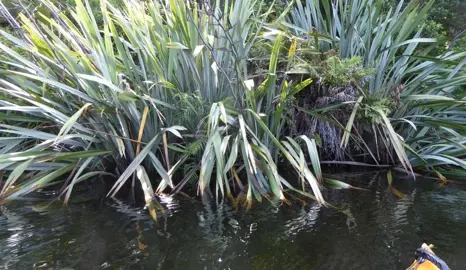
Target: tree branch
455 38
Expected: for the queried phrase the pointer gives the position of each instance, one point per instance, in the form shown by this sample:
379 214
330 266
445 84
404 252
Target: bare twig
455 38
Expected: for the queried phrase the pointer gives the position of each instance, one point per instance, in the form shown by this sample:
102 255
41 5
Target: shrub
406 77
169 96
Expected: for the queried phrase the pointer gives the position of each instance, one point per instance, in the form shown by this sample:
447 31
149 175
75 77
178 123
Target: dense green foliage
445 22
135 98
172 94
398 55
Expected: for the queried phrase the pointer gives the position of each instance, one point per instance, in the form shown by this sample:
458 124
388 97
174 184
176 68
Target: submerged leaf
149 195
336 184
394 191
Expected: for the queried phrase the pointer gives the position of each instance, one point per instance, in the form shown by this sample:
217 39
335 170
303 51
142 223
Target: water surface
382 231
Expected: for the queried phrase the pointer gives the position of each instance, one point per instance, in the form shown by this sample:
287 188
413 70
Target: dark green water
383 233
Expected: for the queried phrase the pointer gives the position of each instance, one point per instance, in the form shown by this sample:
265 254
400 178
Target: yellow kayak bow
425 259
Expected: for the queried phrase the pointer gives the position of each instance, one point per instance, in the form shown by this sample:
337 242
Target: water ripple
380 231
